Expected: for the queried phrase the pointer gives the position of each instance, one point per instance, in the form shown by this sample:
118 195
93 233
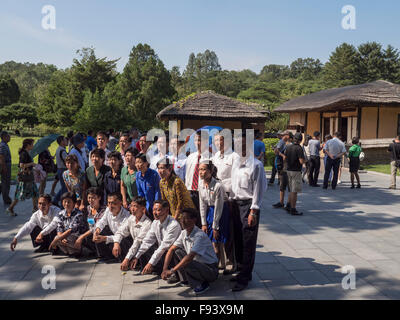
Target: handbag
362 156
25 175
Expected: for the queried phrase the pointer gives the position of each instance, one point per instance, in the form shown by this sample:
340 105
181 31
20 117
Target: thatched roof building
210 108
370 111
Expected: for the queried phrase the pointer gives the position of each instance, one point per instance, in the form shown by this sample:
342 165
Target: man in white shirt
193 254
106 228
335 149
162 148
41 226
192 169
249 183
137 226
178 157
163 232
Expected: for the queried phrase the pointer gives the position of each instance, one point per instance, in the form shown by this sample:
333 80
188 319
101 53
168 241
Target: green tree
18 113
342 69
9 90
306 69
371 62
392 65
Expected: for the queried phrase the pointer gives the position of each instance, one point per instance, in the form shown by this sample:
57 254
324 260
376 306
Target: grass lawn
15 144
382 168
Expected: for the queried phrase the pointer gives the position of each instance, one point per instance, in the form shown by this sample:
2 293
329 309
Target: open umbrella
212 130
42 144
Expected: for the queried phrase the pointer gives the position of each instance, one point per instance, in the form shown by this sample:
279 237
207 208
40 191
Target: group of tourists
296 159
150 207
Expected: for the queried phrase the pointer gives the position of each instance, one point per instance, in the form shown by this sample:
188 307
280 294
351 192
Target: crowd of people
157 209
149 207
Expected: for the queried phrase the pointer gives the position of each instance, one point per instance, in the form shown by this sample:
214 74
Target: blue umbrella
212 130
42 144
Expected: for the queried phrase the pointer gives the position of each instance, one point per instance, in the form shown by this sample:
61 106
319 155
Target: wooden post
377 124
320 124
339 121
359 122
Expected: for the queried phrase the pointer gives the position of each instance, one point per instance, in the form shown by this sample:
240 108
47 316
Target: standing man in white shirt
194 257
41 226
335 149
106 228
249 183
163 232
192 169
137 226
162 148
178 157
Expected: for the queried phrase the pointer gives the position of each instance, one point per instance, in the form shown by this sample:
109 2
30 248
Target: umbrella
212 130
42 144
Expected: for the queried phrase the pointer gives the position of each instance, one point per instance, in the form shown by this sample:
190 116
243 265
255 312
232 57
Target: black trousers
245 239
104 250
273 174
145 257
313 173
47 239
331 164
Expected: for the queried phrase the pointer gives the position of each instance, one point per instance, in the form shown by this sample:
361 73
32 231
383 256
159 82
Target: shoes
173 279
315 185
41 250
228 272
239 286
294 212
184 283
11 212
392 187
352 186
278 205
339 182
202 288
325 188
359 186
287 207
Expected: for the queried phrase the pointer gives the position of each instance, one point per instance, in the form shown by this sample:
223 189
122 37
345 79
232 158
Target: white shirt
42 221
179 165
137 230
198 242
80 156
191 162
214 195
164 234
113 222
335 146
224 163
155 158
249 181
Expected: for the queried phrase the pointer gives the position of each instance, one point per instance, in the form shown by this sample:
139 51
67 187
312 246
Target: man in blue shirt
259 147
5 167
90 141
147 182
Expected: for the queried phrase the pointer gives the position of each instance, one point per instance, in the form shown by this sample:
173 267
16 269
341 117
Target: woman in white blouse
214 211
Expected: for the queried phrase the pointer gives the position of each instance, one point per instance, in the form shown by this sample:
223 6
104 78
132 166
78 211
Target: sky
244 34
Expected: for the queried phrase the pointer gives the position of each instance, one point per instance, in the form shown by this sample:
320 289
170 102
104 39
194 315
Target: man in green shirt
354 158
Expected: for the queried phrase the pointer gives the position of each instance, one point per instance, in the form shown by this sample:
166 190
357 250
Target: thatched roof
212 106
375 93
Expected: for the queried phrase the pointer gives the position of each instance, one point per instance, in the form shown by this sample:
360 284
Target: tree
371 62
9 90
146 86
392 65
343 67
22 114
273 72
307 68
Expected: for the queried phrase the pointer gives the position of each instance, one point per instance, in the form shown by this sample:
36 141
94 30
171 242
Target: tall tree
9 90
392 65
371 62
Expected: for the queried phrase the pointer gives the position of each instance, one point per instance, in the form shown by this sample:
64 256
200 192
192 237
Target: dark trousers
63 186
331 164
104 250
145 257
313 171
47 239
245 239
196 201
195 272
273 174
5 184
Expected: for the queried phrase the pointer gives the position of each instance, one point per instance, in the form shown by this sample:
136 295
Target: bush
270 144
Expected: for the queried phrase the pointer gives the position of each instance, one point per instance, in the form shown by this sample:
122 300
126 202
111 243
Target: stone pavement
297 257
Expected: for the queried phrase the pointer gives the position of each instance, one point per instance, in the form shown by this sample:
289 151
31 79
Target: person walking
394 149
334 149
295 159
5 167
354 159
314 146
26 186
280 166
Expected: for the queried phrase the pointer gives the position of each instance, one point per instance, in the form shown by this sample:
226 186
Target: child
354 158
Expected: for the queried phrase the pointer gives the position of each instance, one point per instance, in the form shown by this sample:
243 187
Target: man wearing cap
5 166
78 142
294 161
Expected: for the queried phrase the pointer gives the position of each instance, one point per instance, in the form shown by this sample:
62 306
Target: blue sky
244 34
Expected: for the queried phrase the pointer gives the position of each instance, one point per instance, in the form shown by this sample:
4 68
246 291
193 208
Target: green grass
382 168
15 144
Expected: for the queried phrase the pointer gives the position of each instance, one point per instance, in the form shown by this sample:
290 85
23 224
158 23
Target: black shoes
278 205
239 286
294 212
173 279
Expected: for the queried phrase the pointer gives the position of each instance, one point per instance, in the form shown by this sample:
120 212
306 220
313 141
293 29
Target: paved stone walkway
297 257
